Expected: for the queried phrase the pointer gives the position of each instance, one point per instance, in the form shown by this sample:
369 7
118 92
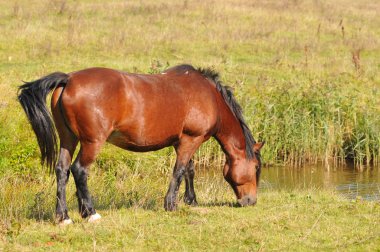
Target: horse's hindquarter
137 112
90 102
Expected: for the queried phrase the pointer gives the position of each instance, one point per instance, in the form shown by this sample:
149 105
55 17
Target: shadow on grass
220 204
40 214
43 207
126 204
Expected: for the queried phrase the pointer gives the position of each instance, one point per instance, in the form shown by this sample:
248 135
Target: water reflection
347 181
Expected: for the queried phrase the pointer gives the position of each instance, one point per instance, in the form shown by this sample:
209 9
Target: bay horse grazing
180 107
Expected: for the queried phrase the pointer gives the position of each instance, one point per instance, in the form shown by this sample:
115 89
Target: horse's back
139 112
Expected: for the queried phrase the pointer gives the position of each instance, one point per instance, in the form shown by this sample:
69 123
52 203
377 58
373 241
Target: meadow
305 72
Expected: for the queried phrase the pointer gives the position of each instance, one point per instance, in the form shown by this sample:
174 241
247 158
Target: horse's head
243 176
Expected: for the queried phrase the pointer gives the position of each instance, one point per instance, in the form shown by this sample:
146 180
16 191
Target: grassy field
305 72
283 221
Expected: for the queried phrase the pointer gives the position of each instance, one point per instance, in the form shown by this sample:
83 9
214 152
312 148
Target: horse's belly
140 144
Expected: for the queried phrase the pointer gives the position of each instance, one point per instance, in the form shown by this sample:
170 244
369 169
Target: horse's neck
230 135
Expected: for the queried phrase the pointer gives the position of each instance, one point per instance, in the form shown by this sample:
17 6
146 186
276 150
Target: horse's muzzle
247 200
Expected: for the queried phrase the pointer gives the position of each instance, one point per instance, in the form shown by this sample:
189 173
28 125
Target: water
348 182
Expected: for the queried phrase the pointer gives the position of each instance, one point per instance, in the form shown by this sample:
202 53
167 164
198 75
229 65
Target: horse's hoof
194 203
65 222
171 208
94 217
190 201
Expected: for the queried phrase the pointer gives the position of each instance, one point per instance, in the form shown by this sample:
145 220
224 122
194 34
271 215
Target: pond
347 181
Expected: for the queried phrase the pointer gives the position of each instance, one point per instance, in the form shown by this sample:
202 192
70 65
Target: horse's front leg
190 197
185 150
170 203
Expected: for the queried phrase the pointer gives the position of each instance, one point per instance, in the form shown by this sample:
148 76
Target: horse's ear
257 146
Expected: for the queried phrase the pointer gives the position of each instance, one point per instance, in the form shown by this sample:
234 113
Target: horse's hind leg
190 197
62 172
79 169
68 143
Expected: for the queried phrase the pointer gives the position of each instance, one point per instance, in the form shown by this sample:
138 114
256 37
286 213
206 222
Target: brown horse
181 107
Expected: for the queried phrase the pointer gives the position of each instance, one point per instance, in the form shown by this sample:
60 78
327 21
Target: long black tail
32 96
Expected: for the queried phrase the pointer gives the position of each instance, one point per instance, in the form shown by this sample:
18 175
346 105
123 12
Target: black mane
180 69
235 108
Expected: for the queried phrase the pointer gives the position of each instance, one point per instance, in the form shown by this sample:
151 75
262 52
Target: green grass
290 221
305 72
131 203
